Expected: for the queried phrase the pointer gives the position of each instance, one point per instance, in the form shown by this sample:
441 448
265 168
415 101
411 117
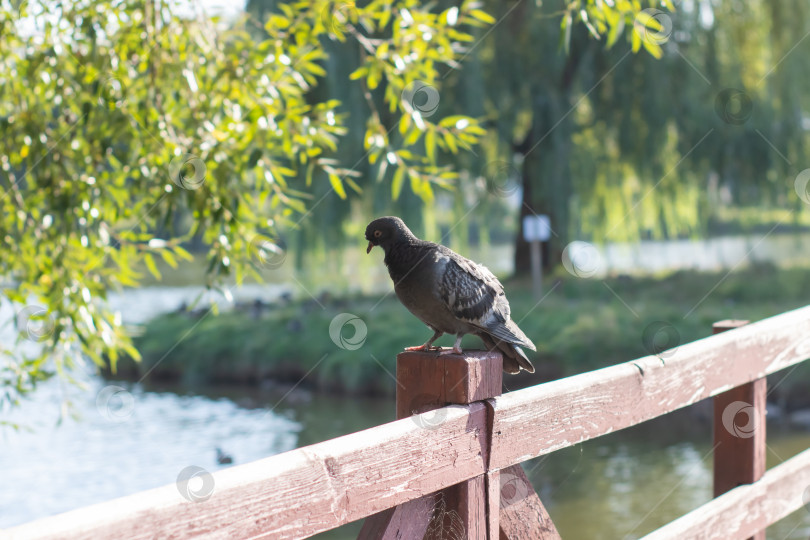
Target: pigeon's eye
377 233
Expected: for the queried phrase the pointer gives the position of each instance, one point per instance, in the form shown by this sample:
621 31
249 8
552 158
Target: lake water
711 254
619 486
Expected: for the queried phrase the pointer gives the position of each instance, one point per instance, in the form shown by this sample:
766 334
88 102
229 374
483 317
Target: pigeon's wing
468 289
474 295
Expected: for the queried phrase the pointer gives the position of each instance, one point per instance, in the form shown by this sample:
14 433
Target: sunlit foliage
118 118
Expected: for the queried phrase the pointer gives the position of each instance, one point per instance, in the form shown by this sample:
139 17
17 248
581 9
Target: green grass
753 219
581 325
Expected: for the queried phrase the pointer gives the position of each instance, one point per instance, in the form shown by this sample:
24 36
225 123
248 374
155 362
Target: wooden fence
395 472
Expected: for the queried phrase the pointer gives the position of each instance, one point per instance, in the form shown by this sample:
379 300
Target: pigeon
449 293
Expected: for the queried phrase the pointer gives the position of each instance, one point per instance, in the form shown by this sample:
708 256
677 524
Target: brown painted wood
747 509
522 513
466 506
408 520
420 383
475 376
739 431
739 439
428 380
493 487
297 493
728 324
547 417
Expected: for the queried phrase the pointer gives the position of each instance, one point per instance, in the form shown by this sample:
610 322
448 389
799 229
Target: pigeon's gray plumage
450 294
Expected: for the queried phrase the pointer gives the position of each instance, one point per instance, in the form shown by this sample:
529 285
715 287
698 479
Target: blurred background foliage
138 133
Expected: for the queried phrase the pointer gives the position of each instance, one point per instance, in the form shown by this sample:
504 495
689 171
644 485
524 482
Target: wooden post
409 520
739 431
496 505
427 380
522 513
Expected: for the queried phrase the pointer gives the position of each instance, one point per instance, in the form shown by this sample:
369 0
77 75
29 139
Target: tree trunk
546 179
546 165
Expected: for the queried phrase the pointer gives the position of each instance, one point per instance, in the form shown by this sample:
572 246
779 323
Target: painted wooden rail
746 510
399 468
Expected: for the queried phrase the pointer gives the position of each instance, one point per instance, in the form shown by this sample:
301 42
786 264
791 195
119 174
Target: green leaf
359 73
614 33
653 48
168 257
430 145
182 253
309 171
451 142
352 184
584 16
337 185
396 184
636 41
451 121
277 21
151 266
373 78
482 16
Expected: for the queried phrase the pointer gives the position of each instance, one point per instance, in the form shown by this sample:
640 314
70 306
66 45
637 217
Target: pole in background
536 229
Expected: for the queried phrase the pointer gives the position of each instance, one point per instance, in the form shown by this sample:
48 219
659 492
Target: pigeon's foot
428 345
424 347
454 350
456 346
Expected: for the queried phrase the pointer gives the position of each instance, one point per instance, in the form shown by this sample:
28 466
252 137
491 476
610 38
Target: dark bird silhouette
450 294
223 458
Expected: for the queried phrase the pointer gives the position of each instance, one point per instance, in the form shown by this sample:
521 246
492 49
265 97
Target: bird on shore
449 293
223 458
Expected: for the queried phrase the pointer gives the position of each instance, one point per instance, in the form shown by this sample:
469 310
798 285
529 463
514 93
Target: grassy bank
580 325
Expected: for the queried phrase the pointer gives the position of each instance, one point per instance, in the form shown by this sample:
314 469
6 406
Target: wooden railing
396 470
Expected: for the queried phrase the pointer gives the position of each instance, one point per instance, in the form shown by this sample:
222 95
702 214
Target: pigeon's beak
370 245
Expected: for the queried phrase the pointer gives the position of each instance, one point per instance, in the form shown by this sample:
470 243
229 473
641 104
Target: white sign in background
536 228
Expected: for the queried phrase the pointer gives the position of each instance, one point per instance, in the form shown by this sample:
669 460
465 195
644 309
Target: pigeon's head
385 231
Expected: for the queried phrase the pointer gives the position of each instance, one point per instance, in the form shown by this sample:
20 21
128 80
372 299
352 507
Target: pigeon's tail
509 331
514 359
521 360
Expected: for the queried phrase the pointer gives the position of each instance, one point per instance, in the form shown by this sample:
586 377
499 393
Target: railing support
428 381
739 431
496 505
522 513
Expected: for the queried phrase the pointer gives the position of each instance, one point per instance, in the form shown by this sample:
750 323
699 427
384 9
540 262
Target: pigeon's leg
427 344
456 346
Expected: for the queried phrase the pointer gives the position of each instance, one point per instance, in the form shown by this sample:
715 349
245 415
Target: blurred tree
541 75
536 58
117 116
617 147
614 146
